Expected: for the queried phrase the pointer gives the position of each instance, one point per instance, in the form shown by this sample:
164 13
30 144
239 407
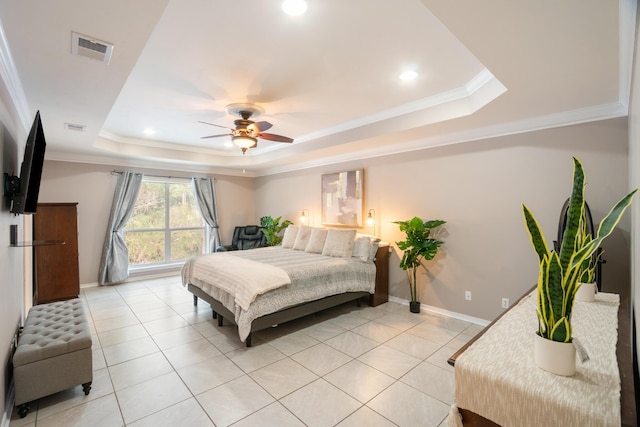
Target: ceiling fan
246 133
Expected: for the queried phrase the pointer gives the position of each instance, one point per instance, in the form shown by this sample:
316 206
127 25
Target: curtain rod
115 172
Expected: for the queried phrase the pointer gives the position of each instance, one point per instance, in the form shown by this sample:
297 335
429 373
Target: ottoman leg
23 409
86 387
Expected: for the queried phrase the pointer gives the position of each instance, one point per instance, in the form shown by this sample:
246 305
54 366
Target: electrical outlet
467 295
505 302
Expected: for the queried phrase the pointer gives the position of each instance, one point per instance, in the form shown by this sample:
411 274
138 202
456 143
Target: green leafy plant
272 229
418 246
558 279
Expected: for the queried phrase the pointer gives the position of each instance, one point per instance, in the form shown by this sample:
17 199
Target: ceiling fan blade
213 124
261 126
215 136
274 137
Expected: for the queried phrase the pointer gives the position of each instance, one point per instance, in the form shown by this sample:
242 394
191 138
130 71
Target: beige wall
12 140
478 188
92 187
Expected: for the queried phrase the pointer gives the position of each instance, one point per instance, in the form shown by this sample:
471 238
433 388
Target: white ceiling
328 79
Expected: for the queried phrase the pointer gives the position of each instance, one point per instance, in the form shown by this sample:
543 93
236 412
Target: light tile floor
160 361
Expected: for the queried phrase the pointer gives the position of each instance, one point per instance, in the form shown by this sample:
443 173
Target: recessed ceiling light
408 75
294 7
149 132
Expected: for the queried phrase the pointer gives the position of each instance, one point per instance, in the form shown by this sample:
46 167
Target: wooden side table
381 294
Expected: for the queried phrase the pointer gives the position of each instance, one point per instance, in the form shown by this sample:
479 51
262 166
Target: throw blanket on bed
244 279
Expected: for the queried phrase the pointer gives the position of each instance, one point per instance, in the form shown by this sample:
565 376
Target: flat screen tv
23 190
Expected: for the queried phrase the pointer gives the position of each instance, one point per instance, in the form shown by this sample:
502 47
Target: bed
262 287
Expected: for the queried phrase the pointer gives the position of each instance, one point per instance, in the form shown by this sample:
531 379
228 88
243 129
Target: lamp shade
244 141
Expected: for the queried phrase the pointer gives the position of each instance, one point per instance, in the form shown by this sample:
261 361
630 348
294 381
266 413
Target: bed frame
285 315
380 296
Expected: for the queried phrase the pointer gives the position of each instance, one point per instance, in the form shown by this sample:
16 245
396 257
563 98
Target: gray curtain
206 198
114 265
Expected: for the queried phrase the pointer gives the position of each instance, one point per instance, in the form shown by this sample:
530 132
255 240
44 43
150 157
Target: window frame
167 230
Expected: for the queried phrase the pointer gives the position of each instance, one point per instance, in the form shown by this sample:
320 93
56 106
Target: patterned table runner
497 378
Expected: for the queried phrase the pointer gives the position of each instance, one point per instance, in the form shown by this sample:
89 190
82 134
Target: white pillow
362 248
339 243
375 244
302 238
316 240
358 251
289 237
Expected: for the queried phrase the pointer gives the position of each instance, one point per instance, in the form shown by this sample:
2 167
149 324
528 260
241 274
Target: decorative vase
556 357
586 292
414 306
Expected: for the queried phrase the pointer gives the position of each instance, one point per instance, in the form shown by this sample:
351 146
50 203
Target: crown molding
482 79
458 102
567 118
169 165
585 115
9 75
117 142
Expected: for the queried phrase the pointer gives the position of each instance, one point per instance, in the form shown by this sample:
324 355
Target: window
166 226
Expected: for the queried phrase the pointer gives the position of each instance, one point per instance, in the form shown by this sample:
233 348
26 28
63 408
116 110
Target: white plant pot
556 357
586 292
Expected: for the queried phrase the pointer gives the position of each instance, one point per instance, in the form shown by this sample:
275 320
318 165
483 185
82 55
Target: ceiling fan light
245 142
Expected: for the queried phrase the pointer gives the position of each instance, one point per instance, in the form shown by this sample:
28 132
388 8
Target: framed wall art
342 198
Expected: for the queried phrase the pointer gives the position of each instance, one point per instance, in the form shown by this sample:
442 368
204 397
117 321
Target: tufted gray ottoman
53 354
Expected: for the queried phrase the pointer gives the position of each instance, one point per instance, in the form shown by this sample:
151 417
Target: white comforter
313 276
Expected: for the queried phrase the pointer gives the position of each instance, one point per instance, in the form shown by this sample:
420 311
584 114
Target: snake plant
417 246
587 272
560 272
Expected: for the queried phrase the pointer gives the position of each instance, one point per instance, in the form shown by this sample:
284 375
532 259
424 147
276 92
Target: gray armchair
245 237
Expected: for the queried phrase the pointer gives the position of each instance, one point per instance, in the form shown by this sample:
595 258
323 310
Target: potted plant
418 246
558 279
272 229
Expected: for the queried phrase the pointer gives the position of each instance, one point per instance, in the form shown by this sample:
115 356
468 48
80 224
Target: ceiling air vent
91 48
73 126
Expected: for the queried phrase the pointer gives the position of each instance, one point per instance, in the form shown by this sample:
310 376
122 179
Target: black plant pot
414 306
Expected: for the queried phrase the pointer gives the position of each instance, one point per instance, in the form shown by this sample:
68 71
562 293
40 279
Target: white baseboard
137 277
89 285
443 312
